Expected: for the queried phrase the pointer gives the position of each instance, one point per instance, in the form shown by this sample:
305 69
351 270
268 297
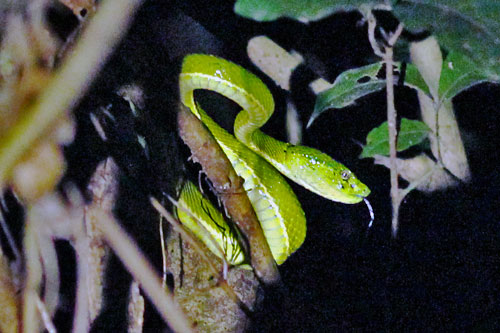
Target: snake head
324 176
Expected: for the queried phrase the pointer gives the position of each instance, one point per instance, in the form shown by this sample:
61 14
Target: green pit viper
260 160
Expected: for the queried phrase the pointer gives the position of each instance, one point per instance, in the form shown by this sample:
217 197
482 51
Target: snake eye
345 174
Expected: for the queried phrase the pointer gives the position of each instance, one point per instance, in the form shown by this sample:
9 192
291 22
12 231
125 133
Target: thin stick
163 254
81 320
135 309
69 83
391 121
48 256
47 322
391 111
34 276
372 24
143 273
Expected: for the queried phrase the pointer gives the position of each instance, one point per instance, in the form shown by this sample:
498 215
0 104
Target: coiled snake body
260 159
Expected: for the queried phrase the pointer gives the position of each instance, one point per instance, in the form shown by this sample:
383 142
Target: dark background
441 273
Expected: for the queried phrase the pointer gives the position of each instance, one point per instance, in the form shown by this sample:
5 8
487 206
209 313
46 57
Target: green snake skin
262 160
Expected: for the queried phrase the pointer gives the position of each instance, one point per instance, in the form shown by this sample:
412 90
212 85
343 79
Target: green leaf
458 74
411 133
355 83
301 10
349 86
469 27
414 80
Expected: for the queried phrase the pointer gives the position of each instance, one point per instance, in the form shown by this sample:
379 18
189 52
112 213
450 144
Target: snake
260 160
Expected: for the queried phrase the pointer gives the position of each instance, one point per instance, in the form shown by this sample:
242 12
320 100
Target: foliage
468 32
411 133
458 73
301 10
467 27
348 87
359 82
